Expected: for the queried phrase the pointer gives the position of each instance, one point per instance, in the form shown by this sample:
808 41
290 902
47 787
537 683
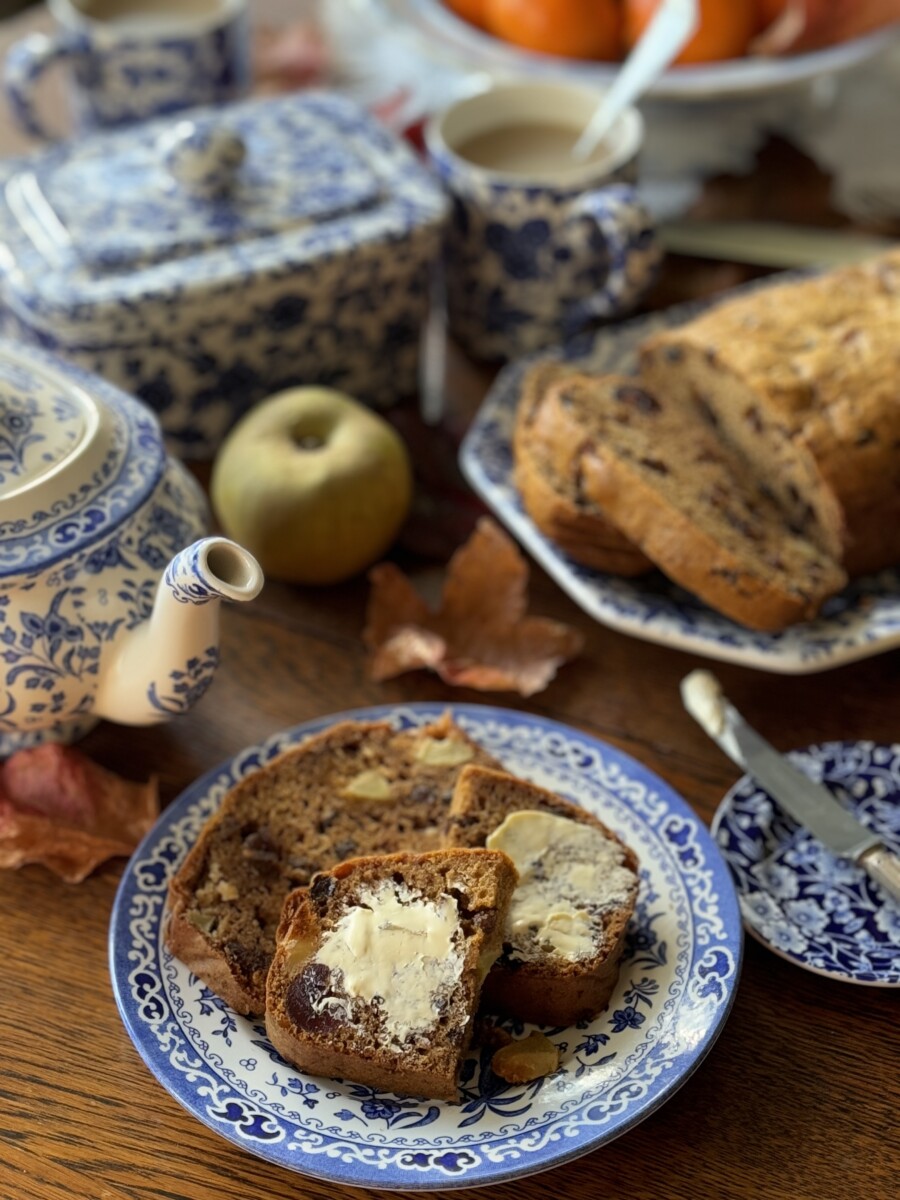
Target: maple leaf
480 636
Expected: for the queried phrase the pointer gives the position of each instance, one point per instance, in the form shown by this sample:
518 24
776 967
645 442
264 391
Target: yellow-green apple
314 484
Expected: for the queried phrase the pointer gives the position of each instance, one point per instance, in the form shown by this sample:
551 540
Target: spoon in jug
673 23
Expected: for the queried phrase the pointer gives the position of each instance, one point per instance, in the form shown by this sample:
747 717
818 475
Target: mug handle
25 62
631 247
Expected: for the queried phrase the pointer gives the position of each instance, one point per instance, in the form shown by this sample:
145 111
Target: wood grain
796 1101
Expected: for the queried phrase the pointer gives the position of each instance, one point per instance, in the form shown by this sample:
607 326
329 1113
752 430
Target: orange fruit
726 28
470 10
570 28
768 11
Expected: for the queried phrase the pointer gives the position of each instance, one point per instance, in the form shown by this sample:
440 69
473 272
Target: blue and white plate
799 899
676 986
862 621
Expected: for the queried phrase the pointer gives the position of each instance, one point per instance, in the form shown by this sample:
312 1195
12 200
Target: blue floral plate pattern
862 621
675 990
811 907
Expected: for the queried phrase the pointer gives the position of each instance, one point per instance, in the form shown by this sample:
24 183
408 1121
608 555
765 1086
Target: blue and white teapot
103 611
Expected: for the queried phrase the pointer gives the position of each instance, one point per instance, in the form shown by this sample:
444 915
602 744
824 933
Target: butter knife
809 803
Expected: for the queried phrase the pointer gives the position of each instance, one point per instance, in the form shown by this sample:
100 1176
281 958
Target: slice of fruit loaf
357 788
578 883
379 967
692 503
551 500
814 361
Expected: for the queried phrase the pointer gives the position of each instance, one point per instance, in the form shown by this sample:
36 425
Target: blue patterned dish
814 909
203 261
676 986
862 621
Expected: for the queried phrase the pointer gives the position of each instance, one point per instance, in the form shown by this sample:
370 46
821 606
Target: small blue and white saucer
796 897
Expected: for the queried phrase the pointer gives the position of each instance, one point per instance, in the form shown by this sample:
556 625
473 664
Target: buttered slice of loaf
552 499
357 788
379 966
578 882
690 501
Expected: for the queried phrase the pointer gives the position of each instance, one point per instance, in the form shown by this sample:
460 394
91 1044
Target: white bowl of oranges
741 46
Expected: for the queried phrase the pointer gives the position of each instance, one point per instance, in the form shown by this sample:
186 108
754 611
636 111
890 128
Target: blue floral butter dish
204 262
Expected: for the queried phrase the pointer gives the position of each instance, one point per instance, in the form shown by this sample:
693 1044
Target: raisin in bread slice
357 788
551 500
815 362
690 501
578 883
379 966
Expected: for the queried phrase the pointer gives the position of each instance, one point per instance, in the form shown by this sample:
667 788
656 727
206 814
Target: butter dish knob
204 159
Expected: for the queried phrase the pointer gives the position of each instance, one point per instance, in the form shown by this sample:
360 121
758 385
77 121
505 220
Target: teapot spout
164 665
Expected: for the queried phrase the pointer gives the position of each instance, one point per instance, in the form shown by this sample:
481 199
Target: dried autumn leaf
60 809
480 636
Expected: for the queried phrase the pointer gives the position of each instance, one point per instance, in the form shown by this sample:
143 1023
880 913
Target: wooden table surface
797 1099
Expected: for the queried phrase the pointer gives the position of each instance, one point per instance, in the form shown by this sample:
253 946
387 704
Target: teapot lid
173 190
77 457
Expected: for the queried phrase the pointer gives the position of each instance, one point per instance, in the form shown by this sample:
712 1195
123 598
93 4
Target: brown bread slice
693 504
536 979
379 966
814 361
357 788
551 500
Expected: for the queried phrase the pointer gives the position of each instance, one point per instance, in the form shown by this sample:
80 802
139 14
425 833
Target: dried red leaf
480 636
60 809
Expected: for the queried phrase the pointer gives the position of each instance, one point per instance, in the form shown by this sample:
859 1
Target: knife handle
884 868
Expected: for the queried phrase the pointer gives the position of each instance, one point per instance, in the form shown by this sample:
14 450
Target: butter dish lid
234 176
76 458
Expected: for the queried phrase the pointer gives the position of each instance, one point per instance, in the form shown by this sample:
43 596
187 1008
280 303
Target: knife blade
770 243
811 804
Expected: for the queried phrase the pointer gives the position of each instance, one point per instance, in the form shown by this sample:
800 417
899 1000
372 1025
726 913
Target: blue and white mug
132 59
540 246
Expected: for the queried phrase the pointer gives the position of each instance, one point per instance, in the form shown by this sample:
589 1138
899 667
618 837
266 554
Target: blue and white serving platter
862 621
814 909
675 990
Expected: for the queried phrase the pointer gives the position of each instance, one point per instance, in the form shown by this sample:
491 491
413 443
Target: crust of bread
579 529
190 946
